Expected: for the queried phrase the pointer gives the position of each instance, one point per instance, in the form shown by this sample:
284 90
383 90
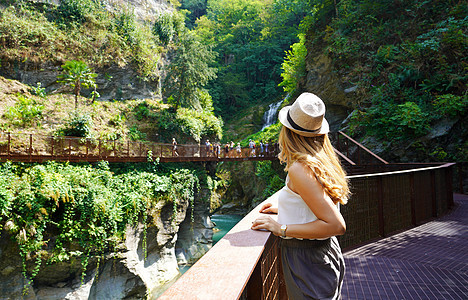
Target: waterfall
269 118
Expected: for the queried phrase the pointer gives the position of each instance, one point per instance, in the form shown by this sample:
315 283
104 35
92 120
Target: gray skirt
313 269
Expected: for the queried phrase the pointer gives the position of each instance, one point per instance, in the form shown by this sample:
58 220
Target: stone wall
113 83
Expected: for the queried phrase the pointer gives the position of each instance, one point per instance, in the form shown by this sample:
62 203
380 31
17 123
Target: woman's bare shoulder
302 180
299 170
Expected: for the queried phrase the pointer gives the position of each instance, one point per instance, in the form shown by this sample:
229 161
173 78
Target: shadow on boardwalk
427 262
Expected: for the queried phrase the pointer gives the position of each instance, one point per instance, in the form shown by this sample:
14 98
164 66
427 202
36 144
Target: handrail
439 166
363 147
224 271
344 157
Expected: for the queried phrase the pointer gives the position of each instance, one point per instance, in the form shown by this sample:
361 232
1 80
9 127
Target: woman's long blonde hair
317 153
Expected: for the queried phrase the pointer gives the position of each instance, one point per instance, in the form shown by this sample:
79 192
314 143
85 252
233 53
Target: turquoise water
224 223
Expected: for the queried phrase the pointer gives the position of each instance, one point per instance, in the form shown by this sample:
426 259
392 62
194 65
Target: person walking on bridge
174 147
308 205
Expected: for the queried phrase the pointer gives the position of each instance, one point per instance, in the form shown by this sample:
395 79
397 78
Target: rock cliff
113 82
123 274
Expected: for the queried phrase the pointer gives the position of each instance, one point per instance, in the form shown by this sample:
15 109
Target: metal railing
353 150
39 148
245 264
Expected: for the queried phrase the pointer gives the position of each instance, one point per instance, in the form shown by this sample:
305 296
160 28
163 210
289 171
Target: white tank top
291 207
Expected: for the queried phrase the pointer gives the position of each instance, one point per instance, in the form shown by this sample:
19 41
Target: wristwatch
284 227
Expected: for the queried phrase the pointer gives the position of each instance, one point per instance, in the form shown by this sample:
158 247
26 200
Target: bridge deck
427 262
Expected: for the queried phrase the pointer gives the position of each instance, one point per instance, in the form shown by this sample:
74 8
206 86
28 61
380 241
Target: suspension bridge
40 148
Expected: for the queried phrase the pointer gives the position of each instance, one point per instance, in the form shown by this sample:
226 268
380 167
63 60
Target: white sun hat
306 116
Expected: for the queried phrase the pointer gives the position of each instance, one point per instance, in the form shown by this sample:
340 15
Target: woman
308 213
239 150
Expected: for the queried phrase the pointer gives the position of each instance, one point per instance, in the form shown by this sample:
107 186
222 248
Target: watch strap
284 227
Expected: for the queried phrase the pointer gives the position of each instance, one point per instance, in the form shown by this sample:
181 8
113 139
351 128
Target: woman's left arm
329 221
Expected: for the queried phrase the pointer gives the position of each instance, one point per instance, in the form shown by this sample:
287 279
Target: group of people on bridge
232 150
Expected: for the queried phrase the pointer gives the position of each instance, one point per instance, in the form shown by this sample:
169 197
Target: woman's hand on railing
268 208
267 223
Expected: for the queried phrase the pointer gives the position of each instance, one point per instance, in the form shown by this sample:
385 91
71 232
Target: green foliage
22 29
264 170
409 117
78 125
294 66
250 37
25 111
75 30
77 74
144 110
196 9
192 123
189 71
126 26
408 59
449 105
270 134
39 90
394 121
439 154
135 134
167 26
75 11
117 120
81 211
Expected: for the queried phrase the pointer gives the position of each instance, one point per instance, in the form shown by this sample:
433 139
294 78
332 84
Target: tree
294 67
197 8
77 74
251 37
189 71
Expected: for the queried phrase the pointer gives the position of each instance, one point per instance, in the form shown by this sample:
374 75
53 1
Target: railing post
254 286
347 148
433 194
359 155
460 177
338 140
8 146
380 208
69 149
448 184
412 199
128 148
30 146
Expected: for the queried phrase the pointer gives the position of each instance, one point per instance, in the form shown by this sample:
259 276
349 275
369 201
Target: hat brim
283 117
